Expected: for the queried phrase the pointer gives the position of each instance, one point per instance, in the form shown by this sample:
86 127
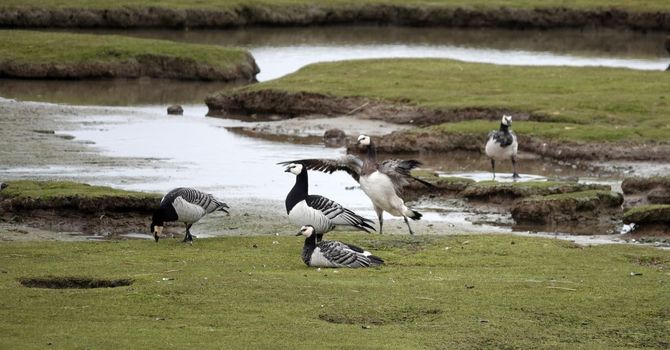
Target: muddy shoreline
303 15
300 104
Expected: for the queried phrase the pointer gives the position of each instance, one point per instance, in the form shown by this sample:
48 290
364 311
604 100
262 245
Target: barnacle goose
502 145
317 253
317 211
187 205
381 182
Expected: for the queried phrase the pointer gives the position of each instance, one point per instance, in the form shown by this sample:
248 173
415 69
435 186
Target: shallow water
193 150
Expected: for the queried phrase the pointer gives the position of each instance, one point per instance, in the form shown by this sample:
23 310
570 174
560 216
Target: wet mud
297 15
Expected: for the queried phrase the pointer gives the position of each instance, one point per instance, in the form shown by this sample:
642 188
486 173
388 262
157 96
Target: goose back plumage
190 198
337 254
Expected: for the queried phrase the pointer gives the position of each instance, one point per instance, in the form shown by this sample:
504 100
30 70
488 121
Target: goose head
307 231
156 230
294 168
364 140
506 120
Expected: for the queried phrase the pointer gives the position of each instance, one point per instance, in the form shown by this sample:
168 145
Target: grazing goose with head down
317 253
502 145
319 212
381 182
187 205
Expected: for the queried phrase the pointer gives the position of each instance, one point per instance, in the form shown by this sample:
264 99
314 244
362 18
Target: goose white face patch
295 169
158 230
307 231
364 140
507 120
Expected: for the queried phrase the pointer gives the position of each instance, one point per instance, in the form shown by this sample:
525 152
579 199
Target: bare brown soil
304 103
153 66
103 216
155 17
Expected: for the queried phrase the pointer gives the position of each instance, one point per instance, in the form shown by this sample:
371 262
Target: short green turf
573 103
37 47
55 189
436 292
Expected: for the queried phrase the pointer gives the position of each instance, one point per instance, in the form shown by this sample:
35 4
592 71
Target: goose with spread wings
382 181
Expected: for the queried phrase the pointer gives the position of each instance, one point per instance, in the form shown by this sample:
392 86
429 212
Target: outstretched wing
349 163
399 171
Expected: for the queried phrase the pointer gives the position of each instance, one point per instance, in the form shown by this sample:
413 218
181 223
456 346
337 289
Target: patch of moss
648 214
526 189
26 195
580 196
25 189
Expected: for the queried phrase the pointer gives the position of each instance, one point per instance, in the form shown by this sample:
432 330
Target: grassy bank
574 103
465 292
642 5
63 55
28 189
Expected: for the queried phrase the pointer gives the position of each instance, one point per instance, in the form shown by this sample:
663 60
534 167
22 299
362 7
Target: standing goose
502 145
319 212
187 205
317 253
381 182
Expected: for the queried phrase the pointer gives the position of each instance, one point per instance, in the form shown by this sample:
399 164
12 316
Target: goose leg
515 175
380 216
493 167
187 237
410 228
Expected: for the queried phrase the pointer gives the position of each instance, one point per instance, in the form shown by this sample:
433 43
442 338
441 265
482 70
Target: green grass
32 47
455 292
54 189
582 104
643 5
648 213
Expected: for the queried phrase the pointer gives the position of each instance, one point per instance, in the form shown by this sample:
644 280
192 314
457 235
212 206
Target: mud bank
74 207
152 66
303 15
266 102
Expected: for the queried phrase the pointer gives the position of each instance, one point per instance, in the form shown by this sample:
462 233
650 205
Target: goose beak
287 170
299 233
156 237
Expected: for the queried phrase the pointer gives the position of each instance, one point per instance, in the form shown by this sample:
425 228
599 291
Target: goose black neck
163 214
504 128
372 152
299 190
310 241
